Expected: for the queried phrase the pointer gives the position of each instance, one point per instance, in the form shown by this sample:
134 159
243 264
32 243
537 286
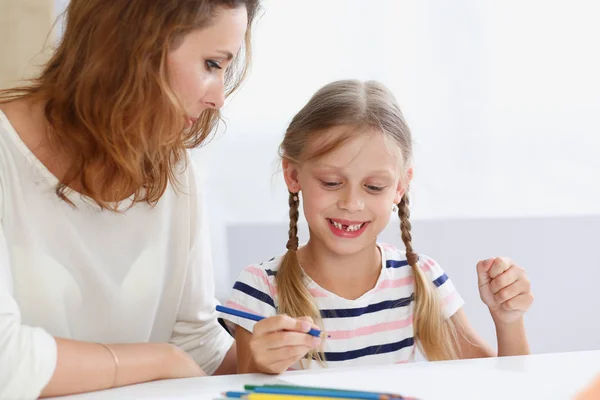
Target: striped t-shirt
375 329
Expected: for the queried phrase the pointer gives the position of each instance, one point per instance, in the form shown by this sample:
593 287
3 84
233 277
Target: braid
405 228
435 335
293 297
292 243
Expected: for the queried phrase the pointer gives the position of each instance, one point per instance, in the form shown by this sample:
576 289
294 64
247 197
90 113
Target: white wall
502 98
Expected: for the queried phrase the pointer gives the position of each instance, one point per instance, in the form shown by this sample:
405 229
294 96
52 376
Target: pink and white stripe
369 330
395 283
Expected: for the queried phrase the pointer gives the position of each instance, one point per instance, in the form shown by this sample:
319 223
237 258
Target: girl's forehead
343 146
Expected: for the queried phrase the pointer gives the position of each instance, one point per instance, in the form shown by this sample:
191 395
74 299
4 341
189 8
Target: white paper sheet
443 382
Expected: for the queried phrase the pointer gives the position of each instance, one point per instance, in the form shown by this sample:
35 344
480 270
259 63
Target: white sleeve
197 330
252 292
27 354
451 299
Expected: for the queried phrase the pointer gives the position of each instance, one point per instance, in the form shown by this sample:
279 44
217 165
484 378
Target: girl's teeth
348 228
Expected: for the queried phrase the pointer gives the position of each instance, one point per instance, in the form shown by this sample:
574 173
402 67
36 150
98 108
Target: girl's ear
290 174
403 185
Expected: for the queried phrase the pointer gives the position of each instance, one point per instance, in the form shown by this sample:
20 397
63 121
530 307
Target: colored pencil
254 317
266 396
340 394
355 394
235 395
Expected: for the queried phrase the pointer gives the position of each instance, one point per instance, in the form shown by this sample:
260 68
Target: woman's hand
179 364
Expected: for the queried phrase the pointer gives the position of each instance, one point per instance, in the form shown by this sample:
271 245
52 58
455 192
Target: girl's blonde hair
107 95
363 106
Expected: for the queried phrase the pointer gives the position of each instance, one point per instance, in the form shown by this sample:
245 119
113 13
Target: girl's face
197 66
348 193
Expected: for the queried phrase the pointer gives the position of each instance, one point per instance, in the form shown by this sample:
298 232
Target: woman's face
197 66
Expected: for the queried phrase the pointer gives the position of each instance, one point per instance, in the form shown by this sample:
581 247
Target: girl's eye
373 188
330 184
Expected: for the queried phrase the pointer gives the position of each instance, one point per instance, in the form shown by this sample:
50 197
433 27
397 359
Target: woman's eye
210 65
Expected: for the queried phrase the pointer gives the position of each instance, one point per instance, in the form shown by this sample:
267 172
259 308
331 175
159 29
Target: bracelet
116 359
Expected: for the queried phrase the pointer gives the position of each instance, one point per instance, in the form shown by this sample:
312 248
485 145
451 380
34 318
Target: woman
105 271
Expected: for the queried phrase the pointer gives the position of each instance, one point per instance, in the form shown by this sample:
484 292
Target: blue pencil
254 317
236 395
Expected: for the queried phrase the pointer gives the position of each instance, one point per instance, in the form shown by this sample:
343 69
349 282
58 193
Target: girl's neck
348 276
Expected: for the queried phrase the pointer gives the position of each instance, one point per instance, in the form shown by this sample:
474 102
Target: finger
278 367
292 360
285 354
306 318
292 353
280 323
310 321
521 302
287 338
500 265
505 279
515 289
282 365
482 271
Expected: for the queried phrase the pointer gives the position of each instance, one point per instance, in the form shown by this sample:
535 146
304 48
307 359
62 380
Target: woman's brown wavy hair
107 96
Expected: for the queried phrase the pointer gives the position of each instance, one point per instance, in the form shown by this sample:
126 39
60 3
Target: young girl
349 152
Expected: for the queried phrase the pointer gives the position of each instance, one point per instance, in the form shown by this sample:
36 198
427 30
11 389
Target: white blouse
143 275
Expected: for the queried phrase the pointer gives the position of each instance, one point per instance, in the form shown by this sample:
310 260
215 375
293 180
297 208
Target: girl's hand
504 288
278 342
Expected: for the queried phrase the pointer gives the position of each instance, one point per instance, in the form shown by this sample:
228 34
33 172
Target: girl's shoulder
399 272
255 290
395 260
261 276
267 268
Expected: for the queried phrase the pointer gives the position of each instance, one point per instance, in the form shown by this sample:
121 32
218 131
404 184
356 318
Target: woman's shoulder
185 187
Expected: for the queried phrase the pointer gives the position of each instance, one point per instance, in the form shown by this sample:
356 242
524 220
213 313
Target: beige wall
24 41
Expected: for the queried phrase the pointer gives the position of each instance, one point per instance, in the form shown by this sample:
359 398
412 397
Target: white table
543 377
